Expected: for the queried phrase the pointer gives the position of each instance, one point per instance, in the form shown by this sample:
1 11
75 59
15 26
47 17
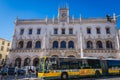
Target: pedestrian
2 74
16 70
4 71
37 72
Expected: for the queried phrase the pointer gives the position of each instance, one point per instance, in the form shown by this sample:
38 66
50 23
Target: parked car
11 71
20 71
28 68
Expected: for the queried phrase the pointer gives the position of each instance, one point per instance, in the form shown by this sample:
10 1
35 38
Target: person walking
37 72
4 73
16 70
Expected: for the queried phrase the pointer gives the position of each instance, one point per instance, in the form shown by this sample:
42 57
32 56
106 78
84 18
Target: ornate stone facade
63 37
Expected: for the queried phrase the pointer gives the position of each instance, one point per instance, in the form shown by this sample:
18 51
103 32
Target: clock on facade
63 14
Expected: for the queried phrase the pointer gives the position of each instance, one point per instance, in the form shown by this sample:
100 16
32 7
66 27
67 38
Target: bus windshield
41 66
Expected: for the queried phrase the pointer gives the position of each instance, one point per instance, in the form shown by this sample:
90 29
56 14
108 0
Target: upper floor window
3 42
55 31
30 31
21 31
107 30
55 44
98 30
99 44
89 45
63 31
70 31
20 44
70 44
29 44
2 48
8 44
63 44
109 44
38 31
89 30
38 44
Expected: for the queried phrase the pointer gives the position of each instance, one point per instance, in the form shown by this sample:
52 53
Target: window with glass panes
3 42
30 31
89 30
98 30
38 31
55 31
70 31
21 31
2 48
63 31
107 30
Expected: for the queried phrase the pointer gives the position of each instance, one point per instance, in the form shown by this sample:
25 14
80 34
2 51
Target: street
32 77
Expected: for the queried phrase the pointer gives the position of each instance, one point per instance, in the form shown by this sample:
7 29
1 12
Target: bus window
51 63
93 63
41 67
113 64
74 65
64 65
79 64
84 64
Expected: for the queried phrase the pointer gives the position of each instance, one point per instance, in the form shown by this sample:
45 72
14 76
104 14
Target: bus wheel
97 73
64 76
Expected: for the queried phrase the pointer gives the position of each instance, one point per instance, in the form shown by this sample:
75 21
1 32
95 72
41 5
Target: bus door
104 67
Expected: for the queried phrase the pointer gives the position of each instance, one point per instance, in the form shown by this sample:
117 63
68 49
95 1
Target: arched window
71 56
27 62
63 44
29 44
55 44
38 44
99 44
70 44
18 62
36 62
109 44
55 56
20 44
89 45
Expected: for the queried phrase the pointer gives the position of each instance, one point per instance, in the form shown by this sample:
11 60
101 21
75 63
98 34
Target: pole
118 46
81 47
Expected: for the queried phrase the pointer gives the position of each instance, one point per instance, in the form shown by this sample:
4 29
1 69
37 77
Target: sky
36 9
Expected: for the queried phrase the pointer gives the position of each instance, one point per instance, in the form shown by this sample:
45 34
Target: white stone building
64 36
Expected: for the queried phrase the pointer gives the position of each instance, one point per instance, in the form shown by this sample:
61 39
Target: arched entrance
18 62
71 56
27 62
55 56
36 62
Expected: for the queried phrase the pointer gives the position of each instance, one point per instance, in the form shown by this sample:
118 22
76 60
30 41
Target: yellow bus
65 68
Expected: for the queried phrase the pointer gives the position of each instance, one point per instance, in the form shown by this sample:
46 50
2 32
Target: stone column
94 44
59 44
66 44
104 44
22 62
31 62
25 44
33 44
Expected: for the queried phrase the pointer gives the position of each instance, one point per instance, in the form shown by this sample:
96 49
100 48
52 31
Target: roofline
5 39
